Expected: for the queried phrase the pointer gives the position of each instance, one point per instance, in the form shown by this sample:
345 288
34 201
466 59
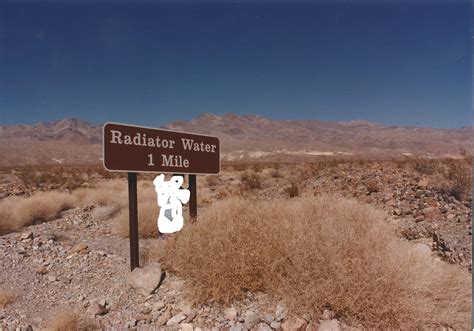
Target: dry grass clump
147 214
454 177
232 166
104 193
204 195
16 212
54 177
372 186
49 177
292 190
316 253
425 166
222 194
148 210
275 173
459 176
212 180
6 297
451 176
66 320
251 180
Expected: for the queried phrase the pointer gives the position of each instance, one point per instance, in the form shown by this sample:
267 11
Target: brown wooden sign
131 148
134 149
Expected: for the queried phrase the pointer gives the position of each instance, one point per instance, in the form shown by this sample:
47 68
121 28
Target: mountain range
248 137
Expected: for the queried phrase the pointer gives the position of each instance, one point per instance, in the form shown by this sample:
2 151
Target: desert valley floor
348 244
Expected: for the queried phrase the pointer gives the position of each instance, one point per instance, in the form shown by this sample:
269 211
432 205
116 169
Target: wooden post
193 198
133 219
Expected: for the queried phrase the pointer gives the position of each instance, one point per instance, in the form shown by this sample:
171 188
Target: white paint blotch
170 200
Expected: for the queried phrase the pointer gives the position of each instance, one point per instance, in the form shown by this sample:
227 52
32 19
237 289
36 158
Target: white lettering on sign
141 139
174 161
189 144
150 160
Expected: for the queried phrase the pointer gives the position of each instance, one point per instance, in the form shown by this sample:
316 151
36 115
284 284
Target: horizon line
341 122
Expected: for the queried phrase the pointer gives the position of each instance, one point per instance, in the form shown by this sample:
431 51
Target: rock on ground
294 324
329 325
176 319
145 279
251 319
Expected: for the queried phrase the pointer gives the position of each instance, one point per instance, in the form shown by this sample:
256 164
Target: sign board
135 149
131 148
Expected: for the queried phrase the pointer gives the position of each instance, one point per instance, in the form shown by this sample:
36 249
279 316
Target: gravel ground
77 262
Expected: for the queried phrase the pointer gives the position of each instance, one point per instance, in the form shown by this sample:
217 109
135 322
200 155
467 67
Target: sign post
135 149
193 198
133 219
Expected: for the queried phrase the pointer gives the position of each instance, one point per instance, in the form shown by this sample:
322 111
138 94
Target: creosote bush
372 186
251 180
454 178
315 253
459 175
292 190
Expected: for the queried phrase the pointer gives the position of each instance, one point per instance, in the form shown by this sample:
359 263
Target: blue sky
397 63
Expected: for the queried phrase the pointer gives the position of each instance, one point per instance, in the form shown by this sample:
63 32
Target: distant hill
242 138
258 137
69 130
69 140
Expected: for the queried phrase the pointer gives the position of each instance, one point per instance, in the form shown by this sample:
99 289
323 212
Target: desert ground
332 244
